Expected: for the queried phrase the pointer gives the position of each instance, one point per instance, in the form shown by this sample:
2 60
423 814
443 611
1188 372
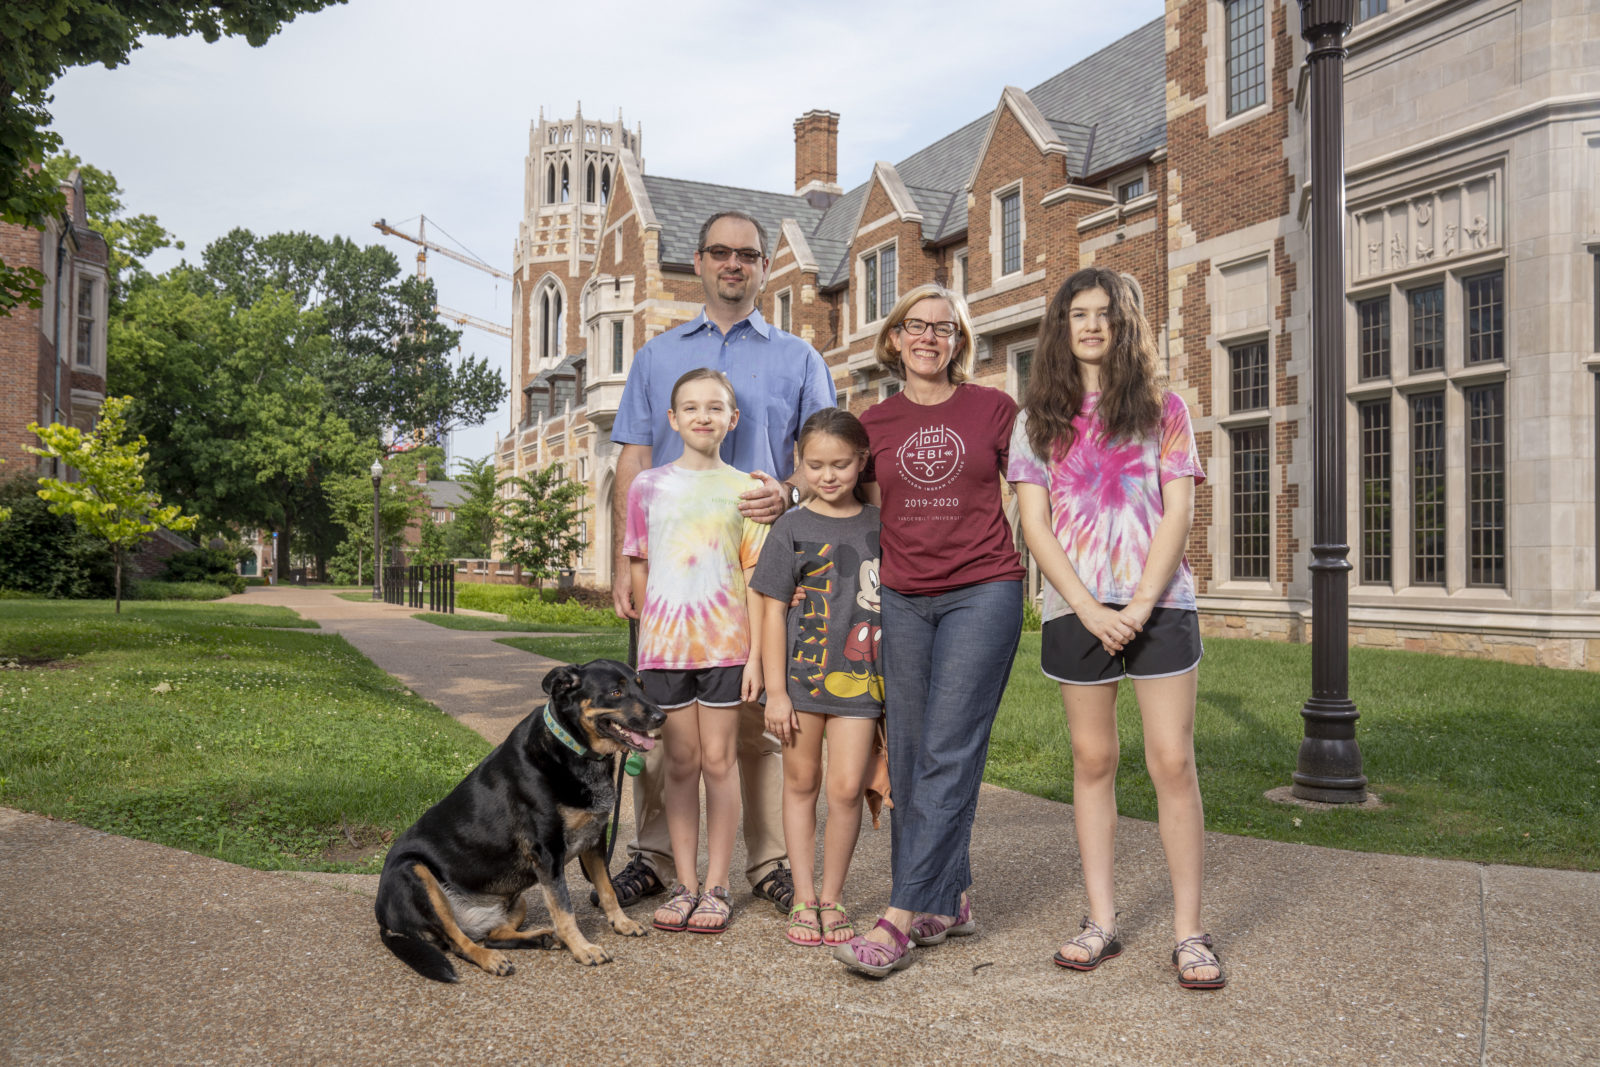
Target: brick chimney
422 472
816 157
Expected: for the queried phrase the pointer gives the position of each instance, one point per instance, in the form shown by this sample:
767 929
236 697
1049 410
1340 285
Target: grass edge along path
575 649
1473 759
507 626
196 726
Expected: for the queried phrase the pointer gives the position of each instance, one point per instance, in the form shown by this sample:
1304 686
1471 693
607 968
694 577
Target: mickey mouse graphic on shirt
860 650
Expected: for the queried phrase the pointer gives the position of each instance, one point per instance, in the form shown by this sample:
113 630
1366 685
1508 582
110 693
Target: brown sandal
1197 951
713 902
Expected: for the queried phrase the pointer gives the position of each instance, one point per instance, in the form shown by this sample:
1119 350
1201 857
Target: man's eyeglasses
720 253
917 327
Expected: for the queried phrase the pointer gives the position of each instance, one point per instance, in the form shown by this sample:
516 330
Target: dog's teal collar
566 738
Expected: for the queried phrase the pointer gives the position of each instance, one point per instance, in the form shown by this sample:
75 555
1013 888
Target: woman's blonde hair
960 368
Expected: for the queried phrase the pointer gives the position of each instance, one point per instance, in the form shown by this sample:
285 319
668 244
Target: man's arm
633 459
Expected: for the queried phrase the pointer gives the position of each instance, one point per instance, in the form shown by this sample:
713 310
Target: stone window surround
94 275
778 298
1219 474
1400 385
997 237
1027 347
861 282
1216 39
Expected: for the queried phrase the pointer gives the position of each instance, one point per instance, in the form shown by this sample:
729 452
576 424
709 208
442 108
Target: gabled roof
1119 93
445 494
1107 109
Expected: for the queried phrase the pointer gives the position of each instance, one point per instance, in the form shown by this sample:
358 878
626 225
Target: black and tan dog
455 879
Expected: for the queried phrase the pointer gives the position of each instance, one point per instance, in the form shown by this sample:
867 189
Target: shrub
48 555
565 613
153 590
496 598
217 565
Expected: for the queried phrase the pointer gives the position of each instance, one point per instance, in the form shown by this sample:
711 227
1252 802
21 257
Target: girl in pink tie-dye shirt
692 554
1104 465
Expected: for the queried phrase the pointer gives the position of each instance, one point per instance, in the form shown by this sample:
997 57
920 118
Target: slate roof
1109 109
682 206
445 494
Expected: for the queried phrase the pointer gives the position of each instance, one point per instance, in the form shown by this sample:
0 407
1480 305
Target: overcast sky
391 108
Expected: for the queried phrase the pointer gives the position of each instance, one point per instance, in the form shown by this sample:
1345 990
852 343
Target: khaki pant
760 782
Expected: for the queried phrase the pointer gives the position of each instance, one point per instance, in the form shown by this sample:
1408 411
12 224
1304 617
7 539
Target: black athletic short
715 687
1169 644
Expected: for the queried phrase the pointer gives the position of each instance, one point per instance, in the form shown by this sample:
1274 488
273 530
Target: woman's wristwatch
794 496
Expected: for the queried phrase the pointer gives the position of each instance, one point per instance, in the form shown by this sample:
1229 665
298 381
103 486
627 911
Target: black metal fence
417 586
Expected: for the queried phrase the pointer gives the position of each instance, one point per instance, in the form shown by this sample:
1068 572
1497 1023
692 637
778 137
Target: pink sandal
932 929
873 959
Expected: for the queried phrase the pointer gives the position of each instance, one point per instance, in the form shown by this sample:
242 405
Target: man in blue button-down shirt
778 382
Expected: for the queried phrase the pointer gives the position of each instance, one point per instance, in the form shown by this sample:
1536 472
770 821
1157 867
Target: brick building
53 357
1178 154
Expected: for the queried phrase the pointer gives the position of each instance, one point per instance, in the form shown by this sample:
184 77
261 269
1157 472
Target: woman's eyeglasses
918 327
720 253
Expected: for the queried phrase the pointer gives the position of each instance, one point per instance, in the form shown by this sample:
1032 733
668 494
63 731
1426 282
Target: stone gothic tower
572 169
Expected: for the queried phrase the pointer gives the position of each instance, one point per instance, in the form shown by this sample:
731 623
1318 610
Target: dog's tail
420 956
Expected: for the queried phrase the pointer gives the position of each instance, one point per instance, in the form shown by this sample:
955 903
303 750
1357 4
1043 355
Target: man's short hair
761 231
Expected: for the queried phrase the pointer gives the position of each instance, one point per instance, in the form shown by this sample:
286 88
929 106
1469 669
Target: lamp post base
1328 769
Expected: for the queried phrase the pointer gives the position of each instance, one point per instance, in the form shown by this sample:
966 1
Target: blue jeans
946 659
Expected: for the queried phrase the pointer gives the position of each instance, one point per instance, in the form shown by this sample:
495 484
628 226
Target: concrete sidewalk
120 951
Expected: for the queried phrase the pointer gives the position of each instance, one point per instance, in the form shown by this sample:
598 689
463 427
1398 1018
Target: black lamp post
1329 765
377 479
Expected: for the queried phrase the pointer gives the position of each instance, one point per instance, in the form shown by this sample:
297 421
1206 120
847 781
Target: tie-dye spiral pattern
687 524
1105 502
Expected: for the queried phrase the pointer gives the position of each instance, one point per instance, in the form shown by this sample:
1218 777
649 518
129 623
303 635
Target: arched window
588 185
566 185
605 184
544 328
554 323
550 185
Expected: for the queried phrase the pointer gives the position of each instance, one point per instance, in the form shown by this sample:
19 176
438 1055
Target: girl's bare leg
719 769
802 783
1092 722
680 795
1167 707
849 755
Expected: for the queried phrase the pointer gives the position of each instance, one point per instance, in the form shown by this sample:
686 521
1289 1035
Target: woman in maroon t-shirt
952 613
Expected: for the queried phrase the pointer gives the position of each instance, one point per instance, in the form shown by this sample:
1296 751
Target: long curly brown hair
1131 384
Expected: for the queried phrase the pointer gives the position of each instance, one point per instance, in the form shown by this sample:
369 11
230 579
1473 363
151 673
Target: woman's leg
849 756
802 782
680 795
1092 723
719 769
974 635
1167 707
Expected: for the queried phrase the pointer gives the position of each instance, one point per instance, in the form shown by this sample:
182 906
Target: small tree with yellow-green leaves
108 499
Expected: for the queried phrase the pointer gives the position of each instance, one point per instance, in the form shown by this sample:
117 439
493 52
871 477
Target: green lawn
1473 760
478 622
196 726
574 649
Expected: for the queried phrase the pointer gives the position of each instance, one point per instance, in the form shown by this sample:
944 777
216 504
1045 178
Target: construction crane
471 320
423 244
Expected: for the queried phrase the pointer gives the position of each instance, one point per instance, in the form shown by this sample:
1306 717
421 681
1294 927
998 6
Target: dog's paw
590 954
497 963
629 928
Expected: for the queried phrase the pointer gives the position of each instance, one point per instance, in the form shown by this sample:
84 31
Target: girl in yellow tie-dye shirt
692 554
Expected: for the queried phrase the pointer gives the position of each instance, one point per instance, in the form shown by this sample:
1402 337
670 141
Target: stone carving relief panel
1458 218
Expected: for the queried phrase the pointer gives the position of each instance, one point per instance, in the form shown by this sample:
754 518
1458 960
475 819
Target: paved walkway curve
118 951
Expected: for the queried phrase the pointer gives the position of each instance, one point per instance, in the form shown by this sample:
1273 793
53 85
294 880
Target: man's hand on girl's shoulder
765 502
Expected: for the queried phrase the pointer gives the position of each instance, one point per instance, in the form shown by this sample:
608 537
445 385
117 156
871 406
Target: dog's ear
561 680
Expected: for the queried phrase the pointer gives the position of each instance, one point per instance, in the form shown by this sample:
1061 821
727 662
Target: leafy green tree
109 498
41 39
540 523
131 238
400 504
472 531
389 363
431 544
240 425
